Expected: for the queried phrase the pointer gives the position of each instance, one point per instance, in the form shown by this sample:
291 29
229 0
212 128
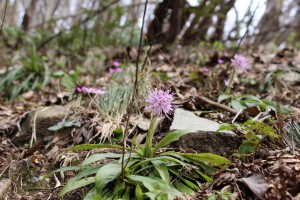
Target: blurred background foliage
42 37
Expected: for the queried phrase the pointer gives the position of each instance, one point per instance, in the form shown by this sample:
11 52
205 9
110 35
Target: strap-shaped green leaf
171 137
208 157
162 169
106 174
76 184
99 157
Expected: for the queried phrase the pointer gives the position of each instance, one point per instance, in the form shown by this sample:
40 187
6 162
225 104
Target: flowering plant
144 174
159 103
241 65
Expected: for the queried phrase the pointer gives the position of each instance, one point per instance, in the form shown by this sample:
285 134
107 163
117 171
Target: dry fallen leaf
4 185
256 183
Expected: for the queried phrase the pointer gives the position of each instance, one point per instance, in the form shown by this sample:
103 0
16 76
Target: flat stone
291 76
204 137
187 120
208 142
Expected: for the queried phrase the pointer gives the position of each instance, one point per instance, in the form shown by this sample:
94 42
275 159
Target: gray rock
187 120
291 76
204 137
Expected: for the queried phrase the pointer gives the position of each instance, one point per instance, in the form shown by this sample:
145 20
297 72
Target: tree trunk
293 26
165 27
201 23
219 28
269 20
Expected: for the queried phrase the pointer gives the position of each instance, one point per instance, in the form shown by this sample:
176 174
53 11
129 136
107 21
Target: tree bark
201 23
269 19
157 31
219 28
293 26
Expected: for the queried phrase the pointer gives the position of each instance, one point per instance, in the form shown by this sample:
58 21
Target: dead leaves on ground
276 177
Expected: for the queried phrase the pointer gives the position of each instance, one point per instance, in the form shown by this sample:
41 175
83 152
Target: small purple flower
113 70
116 63
90 90
78 89
160 102
220 61
226 82
119 69
226 54
240 63
204 70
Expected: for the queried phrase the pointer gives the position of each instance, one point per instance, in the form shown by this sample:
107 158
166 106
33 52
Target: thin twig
238 189
239 45
246 32
216 105
148 53
134 94
3 17
76 15
139 50
7 167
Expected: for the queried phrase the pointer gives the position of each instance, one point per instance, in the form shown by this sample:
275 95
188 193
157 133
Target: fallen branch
216 105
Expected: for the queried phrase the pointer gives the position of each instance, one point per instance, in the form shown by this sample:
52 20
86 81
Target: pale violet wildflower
116 63
118 69
240 63
204 69
226 82
220 61
226 54
160 102
90 90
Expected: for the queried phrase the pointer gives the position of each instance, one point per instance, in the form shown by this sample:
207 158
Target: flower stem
232 74
148 146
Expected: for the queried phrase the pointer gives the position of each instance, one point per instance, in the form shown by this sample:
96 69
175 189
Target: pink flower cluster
220 61
116 67
89 90
240 63
116 63
160 102
204 69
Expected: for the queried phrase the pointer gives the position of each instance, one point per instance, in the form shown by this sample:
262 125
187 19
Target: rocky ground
29 150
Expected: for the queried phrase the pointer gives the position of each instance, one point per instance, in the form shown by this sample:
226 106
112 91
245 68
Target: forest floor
271 171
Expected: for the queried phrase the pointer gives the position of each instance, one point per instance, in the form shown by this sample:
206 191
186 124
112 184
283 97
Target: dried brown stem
134 94
215 104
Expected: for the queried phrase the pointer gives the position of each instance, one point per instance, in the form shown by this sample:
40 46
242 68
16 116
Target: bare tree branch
6 2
